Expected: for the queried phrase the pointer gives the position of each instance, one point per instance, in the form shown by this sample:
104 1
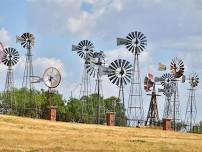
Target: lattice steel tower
85 49
191 110
135 42
10 58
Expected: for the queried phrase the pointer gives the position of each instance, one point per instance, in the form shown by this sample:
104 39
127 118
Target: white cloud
4 37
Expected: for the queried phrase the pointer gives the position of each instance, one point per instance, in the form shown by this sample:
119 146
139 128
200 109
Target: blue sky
173 28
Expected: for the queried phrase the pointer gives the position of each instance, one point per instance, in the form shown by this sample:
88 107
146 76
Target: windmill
85 49
10 58
27 41
168 81
177 69
135 42
51 79
191 110
96 68
120 75
152 116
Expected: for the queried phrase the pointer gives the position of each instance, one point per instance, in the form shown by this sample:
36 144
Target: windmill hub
50 78
136 42
120 72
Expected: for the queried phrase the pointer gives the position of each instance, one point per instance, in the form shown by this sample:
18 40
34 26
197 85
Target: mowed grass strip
25 134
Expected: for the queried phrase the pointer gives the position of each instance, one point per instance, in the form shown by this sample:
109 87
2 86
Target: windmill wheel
193 79
168 80
51 77
120 72
26 39
85 48
177 67
136 42
10 56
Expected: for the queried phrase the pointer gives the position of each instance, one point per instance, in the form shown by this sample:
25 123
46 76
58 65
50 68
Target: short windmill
191 110
153 115
10 58
135 42
168 82
51 79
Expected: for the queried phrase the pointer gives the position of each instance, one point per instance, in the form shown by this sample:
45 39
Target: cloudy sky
173 29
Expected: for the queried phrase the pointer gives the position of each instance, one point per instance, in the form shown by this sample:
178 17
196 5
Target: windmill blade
121 41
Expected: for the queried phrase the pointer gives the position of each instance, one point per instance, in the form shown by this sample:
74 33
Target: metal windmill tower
120 72
153 115
97 69
168 89
135 42
177 69
27 41
191 110
10 58
85 49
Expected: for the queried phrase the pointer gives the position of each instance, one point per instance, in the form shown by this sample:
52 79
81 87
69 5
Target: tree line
72 110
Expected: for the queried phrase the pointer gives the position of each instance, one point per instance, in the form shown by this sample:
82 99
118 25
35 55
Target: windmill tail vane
161 67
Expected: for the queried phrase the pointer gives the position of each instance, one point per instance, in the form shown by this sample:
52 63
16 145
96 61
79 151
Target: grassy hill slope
24 134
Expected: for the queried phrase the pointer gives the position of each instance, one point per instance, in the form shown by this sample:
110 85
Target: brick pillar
52 111
166 124
110 117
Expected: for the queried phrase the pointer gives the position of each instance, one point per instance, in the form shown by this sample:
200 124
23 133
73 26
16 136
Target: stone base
110 118
166 124
52 111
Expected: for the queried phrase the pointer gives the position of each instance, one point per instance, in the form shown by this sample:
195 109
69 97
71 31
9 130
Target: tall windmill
120 75
96 68
85 49
135 43
153 115
191 110
168 81
27 41
10 58
177 69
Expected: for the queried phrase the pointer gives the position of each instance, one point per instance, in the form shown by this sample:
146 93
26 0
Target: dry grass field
24 134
